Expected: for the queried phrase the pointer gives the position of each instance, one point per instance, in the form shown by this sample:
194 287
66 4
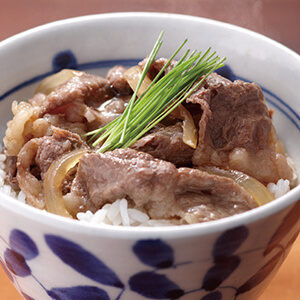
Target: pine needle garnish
160 98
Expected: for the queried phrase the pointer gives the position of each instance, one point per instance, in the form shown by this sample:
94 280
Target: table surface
277 19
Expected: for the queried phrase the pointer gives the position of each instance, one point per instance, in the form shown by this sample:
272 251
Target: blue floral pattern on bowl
156 255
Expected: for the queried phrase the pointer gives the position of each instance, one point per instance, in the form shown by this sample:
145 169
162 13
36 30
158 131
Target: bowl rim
167 232
141 14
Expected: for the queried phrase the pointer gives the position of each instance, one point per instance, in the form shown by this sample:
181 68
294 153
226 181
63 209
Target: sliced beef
84 103
157 186
205 197
115 77
86 90
104 178
166 143
51 147
236 130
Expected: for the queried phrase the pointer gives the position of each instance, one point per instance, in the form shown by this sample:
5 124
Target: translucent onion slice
190 133
260 194
133 75
53 181
50 83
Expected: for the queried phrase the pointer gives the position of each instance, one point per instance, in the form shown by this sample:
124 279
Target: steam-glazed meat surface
236 130
157 186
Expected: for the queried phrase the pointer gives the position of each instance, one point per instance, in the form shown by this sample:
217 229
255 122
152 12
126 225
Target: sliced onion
133 76
53 181
260 194
50 83
190 132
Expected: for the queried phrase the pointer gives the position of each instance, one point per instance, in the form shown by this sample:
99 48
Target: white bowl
47 256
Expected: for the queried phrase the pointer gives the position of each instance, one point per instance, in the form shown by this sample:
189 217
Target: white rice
118 213
280 188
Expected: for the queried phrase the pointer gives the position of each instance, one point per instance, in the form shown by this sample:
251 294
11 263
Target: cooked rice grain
118 214
280 188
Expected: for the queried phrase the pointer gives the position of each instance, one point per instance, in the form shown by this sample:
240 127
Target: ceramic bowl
50 257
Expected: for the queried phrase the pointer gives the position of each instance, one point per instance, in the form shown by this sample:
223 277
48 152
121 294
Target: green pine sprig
160 98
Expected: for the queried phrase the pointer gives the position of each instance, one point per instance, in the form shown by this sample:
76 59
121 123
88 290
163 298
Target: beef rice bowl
213 155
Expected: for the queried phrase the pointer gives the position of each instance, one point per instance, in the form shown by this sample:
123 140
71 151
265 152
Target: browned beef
104 178
238 116
157 187
52 147
166 143
115 77
236 131
87 89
